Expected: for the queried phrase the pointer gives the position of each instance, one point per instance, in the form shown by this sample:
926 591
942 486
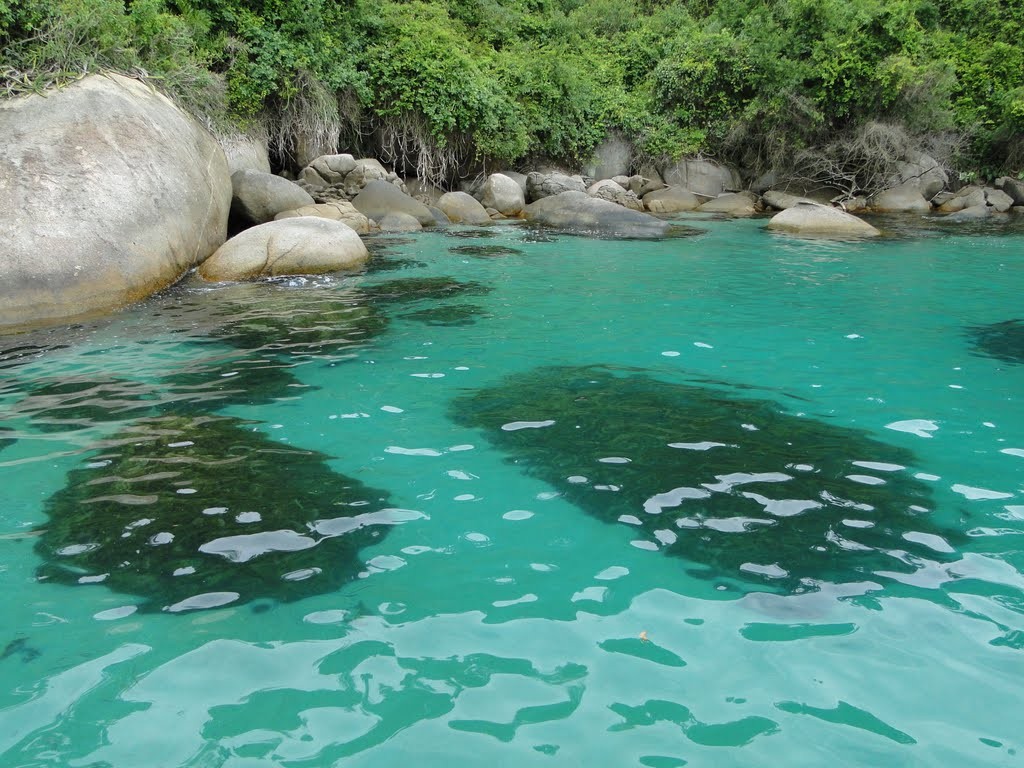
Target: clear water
336 522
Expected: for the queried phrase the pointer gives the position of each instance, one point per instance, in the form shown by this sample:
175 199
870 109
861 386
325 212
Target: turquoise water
514 498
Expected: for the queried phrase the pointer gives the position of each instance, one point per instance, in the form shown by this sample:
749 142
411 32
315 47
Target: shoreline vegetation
829 94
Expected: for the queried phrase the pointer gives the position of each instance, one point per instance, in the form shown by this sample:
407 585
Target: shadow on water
1003 341
196 512
734 486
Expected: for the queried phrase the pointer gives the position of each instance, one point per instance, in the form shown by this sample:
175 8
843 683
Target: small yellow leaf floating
643 636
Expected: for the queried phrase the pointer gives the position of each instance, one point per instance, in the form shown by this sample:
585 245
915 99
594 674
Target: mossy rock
737 487
420 288
1003 341
452 316
191 512
485 251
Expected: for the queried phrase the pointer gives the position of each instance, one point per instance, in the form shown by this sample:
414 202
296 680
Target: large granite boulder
702 177
379 198
541 185
298 246
1012 187
807 218
579 212
246 153
905 198
259 197
518 178
502 193
109 193
671 200
342 211
612 157
462 208
922 171
732 203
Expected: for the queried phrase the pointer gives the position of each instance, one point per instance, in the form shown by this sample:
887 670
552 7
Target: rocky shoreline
113 193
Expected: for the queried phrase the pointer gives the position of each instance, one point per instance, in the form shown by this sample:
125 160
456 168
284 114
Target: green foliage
507 80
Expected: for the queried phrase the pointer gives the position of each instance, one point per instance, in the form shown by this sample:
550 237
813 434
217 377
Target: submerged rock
1003 341
416 288
454 315
191 513
485 251
736 487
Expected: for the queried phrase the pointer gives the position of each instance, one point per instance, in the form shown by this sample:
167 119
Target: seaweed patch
737 487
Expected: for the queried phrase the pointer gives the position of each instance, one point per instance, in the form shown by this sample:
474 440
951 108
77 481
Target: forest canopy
753 82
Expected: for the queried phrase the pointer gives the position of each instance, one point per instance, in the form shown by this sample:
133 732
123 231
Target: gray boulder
973 213
518 178
426 193
820 220
671 200
968 197
259 197
461 208
397 221
1013 187
541 185
614 193
109 193
702 177
502 193
782 201
578 212
906 198
367 170
246 153
998 199
612 157
300 246
342 211
923 172
732 203
328 169
379 198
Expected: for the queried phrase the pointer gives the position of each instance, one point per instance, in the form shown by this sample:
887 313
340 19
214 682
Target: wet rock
974 213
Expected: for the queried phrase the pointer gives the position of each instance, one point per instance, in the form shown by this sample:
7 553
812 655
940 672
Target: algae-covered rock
197 512
1003 341
736 487
454 315
416 288
486 251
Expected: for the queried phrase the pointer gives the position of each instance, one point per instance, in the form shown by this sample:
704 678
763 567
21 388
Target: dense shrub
439 86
